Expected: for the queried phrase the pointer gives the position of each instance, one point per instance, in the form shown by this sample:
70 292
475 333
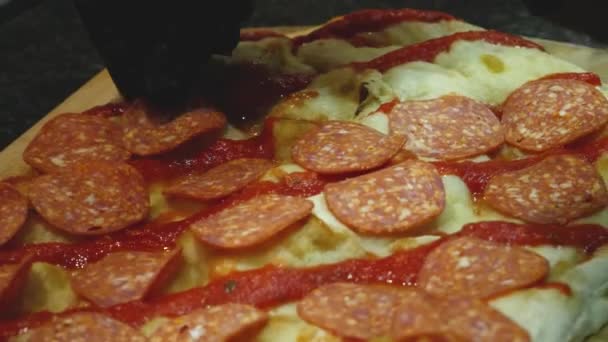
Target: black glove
160 49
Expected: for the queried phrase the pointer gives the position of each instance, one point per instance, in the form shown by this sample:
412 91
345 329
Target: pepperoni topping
449 127
473 268
91 198
13 211
85 327
228 322
251 222
391 200
557 189
144 136
544 114
360 311
341 147
124 276
460 320
221 180
12 280
71 138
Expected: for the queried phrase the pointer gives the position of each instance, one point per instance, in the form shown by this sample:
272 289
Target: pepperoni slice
143 136
557 189
72 138
125 276
13 212
544 114
362 311
228 322
460 320
221 180
91 198
446 128
12 280
474 320
392 200
340 147
85 327
473 268
251 222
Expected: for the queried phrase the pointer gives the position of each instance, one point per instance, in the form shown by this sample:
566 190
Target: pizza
393 175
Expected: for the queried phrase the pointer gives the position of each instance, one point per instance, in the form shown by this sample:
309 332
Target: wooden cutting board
100 90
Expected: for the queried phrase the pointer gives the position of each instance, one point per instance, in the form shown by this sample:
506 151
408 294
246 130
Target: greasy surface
91 198
144 135
124 276
450 127
72 138
549 113
340 147
221 180
214 324
85 327
361 311
391 200
471 268
251 222
556 190
13 211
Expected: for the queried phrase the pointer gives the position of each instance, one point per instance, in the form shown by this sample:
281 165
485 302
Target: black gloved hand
160 50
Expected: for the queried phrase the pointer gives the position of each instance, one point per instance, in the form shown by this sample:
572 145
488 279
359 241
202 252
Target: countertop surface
45 53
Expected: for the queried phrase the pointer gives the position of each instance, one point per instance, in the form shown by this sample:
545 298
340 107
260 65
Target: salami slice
251 222
544 114
72 138
12 281
446 128
471 268
364 311
91 198
557 189
228 322
474 320
125 276
222 180
460 320
340 147
13 211
85 327
392 200
144 136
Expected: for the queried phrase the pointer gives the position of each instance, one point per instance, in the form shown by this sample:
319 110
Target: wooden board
100 90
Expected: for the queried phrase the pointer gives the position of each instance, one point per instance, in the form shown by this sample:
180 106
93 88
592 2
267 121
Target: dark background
45 53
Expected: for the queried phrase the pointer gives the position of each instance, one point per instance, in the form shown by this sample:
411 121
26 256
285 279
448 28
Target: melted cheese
327 54
273 53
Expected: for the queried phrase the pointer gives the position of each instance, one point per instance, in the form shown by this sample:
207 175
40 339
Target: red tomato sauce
588 77
477 175
428 50
370 20
222 150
